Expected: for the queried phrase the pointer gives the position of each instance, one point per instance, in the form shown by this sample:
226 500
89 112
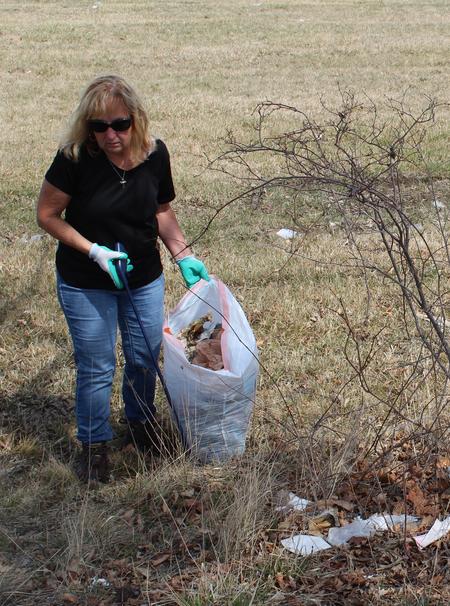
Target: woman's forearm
171 234
65 233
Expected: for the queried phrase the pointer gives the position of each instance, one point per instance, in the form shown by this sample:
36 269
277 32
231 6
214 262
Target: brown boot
93 463
143 436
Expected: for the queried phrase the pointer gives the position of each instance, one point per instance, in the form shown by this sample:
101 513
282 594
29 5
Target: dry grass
202 67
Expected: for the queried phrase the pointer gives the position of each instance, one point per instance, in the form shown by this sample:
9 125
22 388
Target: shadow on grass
36 413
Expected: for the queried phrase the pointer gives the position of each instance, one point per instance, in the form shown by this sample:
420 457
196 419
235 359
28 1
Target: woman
111 182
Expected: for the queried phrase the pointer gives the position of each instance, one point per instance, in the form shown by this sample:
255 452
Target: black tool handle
121 264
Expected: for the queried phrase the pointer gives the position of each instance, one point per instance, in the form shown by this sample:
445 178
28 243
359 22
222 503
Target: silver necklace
121 176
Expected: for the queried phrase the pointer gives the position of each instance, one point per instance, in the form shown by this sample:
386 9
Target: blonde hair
94 101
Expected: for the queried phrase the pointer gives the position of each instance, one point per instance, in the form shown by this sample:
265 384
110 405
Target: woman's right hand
105 257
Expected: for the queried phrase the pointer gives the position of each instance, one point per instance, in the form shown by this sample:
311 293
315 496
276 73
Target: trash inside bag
201 340
211 381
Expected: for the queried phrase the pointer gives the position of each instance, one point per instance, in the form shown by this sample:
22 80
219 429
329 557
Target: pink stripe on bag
225 325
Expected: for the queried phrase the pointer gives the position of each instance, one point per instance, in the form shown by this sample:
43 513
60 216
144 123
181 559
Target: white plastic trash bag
212 407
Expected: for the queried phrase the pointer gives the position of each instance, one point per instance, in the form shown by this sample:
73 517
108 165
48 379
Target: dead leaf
74 566
334 502
356 577
417 497
145 571
74 569
437 579
285 582
342 504
286 525
399 508
178 581
119 563
124 594
357 540
322 522
128 515
70 598
380 498
159 558
193 504
443 462
446 495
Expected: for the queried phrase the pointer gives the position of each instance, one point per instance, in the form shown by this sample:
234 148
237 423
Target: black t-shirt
106 212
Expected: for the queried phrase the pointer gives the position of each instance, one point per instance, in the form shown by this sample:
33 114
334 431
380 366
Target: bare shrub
363 171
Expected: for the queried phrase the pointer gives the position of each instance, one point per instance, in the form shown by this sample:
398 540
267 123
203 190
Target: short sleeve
166 190
62 174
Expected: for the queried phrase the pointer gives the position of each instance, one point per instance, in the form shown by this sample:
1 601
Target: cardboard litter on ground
305 544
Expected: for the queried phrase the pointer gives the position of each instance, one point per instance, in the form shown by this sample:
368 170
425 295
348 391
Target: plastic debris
366 528
287 234
357 528
294 502
305 544
436 532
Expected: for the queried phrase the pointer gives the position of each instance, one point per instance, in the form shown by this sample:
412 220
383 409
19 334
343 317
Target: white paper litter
366 528
305 544
438 205
386 521
287 234
436 532
34 238
294 502
99 582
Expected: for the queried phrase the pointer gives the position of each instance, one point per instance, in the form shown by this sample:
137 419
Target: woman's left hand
192 270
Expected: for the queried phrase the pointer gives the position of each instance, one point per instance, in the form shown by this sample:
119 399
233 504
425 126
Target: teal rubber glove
105 257
192 270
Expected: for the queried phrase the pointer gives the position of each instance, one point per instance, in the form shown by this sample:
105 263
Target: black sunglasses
100 126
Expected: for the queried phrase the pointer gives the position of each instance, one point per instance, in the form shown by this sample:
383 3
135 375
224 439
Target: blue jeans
93 316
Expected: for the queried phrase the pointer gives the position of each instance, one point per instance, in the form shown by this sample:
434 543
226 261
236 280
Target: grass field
171 532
